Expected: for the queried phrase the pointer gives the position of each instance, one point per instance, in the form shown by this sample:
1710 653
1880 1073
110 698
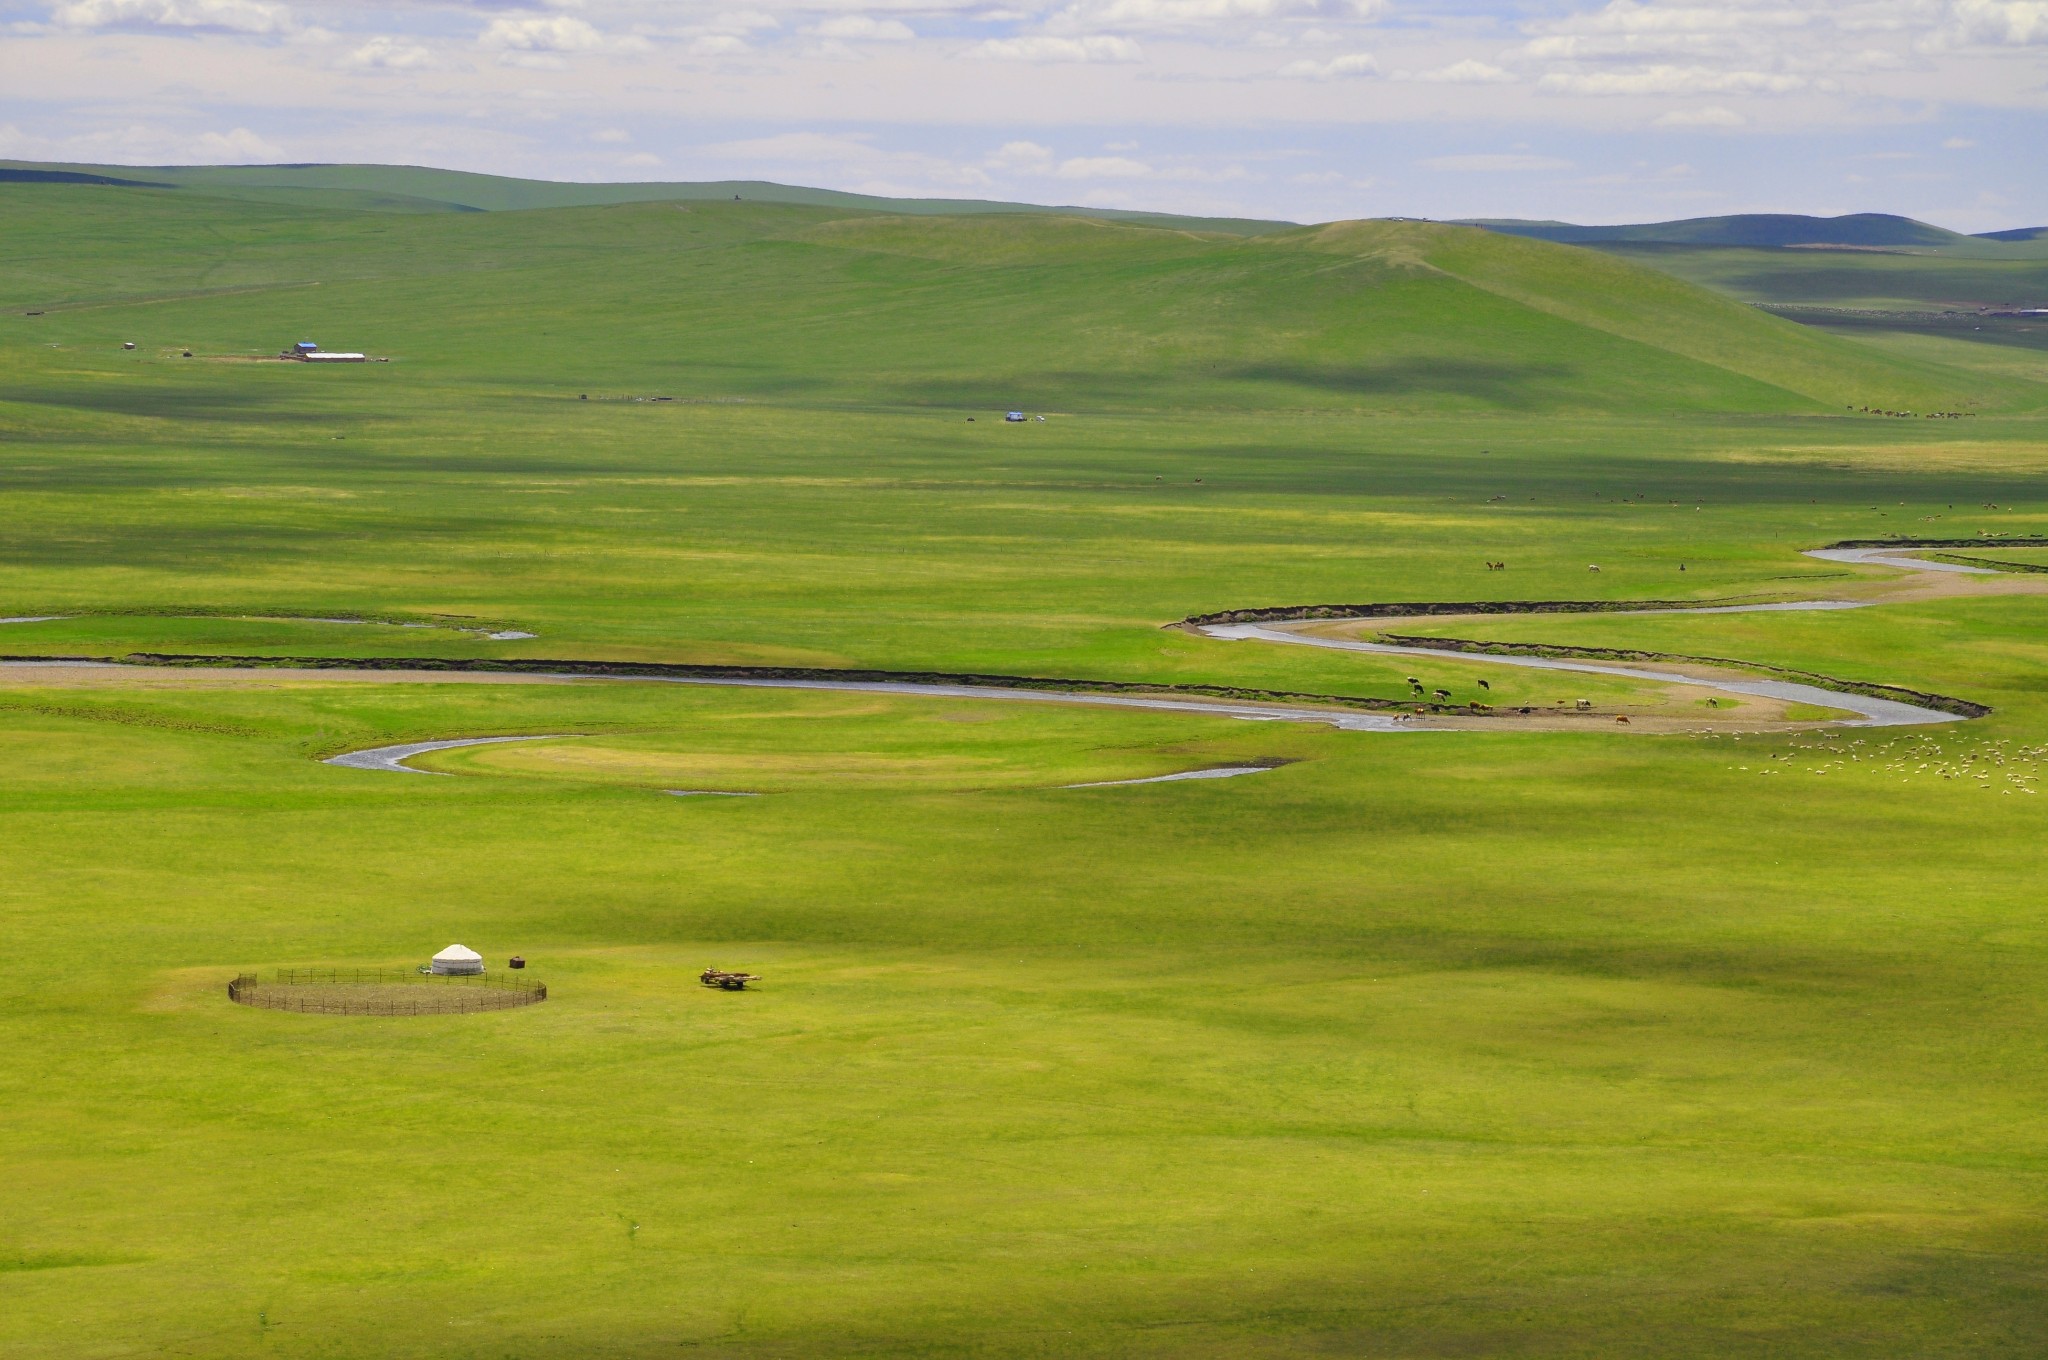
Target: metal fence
383 991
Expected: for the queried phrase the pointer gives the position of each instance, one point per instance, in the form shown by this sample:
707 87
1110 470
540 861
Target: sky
1308 110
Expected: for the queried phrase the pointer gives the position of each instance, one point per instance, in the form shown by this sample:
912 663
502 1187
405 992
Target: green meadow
1500 1042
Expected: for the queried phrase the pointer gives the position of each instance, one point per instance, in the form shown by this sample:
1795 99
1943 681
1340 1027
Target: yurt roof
457 953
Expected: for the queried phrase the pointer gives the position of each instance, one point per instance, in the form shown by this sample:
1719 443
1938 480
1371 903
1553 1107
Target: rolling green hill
413 188
747 299
1908 288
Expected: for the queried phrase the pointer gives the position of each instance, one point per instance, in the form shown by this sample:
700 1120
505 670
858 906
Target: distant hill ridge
1760 230
413 188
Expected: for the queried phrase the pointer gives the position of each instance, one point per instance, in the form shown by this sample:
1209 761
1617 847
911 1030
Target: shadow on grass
167 402
1281 386
1515 387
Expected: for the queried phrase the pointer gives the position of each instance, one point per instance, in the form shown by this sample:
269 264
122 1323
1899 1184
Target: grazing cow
1622 720
1484 685
1443 694
1592 568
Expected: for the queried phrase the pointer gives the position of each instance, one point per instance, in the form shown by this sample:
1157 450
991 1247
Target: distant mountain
1765 230
2016 234
417 189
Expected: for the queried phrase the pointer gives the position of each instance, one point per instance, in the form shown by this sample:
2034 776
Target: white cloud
862 28
1499 162
845 162
1351 64
240 146
1331 179
1103 167
1027 156
384 53
1870 59
1651 48
234 16
1667 79
611 135
1713 116
1170 14
734 21
1466 72
1045 48
716 45
541 33
1995 23
144 144
1658 25
639 160
1957 144
1114 168
806 147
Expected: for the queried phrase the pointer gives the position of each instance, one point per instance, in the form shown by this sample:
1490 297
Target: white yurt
458 958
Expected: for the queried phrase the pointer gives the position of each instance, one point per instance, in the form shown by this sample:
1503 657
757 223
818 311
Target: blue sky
1606 110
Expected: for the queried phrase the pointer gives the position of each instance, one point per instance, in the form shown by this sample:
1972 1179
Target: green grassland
1509 1042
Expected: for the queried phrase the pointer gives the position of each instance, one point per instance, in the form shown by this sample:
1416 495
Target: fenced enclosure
383 991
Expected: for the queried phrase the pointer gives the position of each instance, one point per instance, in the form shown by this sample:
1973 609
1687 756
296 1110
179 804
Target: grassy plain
1515 1043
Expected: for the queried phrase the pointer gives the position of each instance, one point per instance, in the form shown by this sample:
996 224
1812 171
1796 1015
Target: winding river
1867 710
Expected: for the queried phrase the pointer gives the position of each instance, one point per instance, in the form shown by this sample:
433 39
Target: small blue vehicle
1015 418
